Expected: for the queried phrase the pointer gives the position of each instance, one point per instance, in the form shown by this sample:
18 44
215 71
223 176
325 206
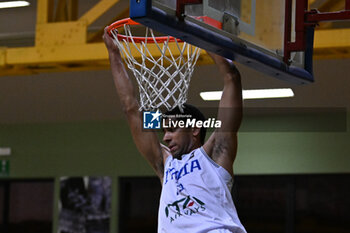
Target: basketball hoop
163 81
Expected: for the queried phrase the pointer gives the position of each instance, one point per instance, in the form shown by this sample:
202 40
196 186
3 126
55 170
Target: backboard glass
251 32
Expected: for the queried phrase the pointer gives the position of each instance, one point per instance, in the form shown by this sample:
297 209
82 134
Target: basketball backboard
251 32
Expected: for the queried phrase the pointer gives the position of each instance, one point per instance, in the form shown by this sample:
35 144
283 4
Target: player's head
182 140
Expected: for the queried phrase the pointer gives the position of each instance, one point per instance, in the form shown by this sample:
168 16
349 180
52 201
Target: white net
163 80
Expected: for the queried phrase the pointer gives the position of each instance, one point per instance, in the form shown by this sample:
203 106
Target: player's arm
146 142
222 144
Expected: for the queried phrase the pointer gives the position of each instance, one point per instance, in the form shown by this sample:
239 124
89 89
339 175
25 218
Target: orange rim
137 39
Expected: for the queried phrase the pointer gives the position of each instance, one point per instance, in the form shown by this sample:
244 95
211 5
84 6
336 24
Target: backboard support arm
306 21
180 6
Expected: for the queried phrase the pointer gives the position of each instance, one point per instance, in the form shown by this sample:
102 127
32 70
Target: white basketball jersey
196 197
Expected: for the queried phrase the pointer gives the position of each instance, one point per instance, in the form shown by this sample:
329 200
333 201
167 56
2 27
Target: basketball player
196 178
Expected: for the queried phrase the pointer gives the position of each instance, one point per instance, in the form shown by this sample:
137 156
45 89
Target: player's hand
111 46
226 64
217 58
113 50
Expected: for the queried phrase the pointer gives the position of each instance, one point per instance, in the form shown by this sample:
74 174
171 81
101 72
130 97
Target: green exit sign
4 167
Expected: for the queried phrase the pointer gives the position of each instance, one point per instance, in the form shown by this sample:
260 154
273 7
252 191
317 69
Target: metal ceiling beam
67 45
99 9
332 43
62 45
44 11
332 5
66 10
60 41
96 36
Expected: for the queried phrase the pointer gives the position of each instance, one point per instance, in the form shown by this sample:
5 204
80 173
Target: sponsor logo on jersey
188 168
186 206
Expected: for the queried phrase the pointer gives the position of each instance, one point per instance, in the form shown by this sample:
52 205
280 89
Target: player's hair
193 113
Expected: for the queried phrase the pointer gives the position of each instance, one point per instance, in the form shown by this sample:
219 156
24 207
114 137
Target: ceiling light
211 95
252 94
11 4
268 93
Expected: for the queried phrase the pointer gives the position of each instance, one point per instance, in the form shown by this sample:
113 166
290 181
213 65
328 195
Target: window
26 206
322 203
139 201
261 203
